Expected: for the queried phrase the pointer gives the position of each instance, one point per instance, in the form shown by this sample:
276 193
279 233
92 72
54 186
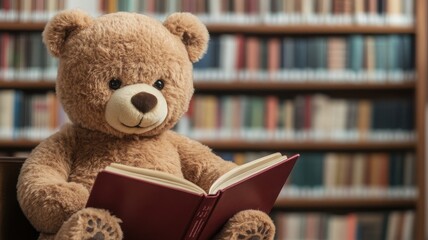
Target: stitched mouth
138 125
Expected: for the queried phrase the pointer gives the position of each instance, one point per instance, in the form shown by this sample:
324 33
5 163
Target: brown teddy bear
124 80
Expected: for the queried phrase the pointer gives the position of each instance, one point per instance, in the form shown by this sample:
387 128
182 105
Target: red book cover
148 208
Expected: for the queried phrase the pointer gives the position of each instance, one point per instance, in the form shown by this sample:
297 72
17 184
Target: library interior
311 77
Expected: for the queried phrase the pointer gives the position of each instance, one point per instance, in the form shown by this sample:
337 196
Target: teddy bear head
125 73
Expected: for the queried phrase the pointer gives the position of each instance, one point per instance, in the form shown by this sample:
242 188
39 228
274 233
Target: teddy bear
124 80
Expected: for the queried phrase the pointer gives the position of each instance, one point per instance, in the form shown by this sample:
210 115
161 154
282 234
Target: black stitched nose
144 102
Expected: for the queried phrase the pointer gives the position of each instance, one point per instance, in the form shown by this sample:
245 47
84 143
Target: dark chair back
13 223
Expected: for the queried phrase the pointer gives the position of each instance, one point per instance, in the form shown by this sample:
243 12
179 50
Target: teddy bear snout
144 101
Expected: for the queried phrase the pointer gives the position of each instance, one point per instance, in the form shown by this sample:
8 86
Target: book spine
201 216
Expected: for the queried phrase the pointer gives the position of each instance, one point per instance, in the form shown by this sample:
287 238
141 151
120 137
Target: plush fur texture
124 80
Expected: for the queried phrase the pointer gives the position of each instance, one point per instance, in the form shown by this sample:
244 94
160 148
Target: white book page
245 170
155 177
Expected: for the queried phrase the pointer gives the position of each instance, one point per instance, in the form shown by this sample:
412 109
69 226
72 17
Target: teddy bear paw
91 224
248 225
98 230
261 233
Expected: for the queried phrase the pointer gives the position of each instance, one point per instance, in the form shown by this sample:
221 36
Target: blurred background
342 82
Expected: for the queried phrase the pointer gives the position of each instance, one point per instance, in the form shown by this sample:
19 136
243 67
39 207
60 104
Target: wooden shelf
352 203
307 29
266 145
18 160
256 28
22 26
19 143
307 145
48 85
245 85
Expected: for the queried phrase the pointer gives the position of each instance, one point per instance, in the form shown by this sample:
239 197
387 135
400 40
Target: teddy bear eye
159 84
114 83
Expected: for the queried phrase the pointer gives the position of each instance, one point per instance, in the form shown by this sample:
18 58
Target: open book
159 205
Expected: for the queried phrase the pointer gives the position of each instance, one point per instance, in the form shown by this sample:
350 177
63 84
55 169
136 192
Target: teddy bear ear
61 26
192 32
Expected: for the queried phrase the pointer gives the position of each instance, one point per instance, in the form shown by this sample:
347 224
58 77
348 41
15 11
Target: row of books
378 12
278 11
378 175
24 57
304 117
355 58
29 116
29 10
298 58
335 175
345 175
393 225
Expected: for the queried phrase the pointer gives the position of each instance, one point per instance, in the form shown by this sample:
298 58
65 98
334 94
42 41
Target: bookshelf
420 102
414 90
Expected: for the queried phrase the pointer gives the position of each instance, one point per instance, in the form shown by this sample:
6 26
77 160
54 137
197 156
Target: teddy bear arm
198 163
45 196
